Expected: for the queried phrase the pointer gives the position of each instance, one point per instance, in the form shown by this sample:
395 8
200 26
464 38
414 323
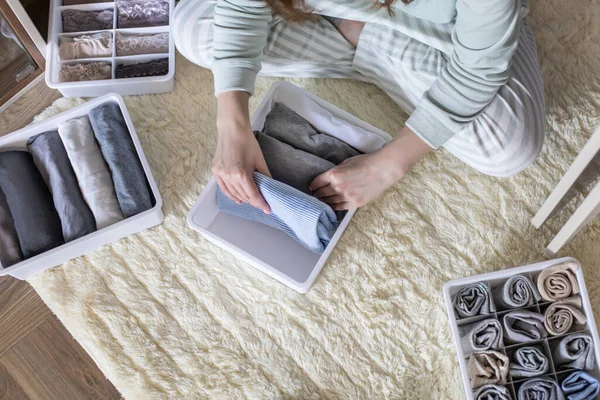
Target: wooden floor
39 359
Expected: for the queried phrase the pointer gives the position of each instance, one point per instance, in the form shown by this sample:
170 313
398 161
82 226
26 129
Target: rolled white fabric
92 173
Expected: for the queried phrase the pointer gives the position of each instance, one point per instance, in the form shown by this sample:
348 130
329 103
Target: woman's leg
505 138
310 49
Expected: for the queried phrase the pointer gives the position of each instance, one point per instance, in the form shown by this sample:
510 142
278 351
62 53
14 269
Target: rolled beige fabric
86 46
487 367
562 314
558 281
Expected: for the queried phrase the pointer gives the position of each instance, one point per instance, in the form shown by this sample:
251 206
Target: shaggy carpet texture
166 314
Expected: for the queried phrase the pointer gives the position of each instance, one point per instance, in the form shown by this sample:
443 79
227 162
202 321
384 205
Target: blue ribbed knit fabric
303 217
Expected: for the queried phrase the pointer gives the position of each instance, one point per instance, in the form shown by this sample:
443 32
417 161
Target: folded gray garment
481 335
92 173
122 158
288 127
558 281
540 389
574 351
562 314
492 392
517 292
487 367
474 299
10 250
51 159
528 362
291 166
82 21
143 69
30 203
523 326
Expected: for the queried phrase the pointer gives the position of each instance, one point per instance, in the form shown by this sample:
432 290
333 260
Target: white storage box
126 227
267 249
497 278
124 87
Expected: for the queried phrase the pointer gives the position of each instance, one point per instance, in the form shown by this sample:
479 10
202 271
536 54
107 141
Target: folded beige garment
86 46
85 72
487 367
558 281
562 314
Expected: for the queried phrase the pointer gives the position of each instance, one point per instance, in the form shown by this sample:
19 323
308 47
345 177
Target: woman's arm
485 39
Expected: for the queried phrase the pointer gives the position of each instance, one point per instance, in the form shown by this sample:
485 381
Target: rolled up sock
517 292
558 281
580 386
10 250
562 314
528 362
82 21
157 67
122 158
474 299
487 367
492 392
86 46
574 351
30 203
140 13
51 159
288 127
306 219
291 166
93 176
523 326
540 389
481 335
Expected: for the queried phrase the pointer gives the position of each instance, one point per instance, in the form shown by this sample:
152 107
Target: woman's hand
361 179
238 154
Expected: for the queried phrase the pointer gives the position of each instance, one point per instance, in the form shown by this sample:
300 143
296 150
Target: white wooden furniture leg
586 155
588 209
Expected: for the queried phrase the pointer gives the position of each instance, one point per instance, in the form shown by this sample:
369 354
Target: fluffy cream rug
166 314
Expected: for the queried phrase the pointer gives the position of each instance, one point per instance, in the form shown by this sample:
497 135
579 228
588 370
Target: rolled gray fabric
558 281
523 326
291 166
10 250
51 159
492 392
131 185
91 170
517 292
562 314
30 202
481 335
474 299
574 351
540 389
528 362
288 127
580 386
487 367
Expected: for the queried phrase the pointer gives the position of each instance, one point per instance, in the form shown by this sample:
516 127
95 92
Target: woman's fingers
325 191
254 196
335 199
261 166
226 190
319 182
341 206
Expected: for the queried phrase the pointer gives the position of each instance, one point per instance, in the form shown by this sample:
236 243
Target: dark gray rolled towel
540 389
474 299
10 249
523 326
574 351
51 159
30 203
528 362
291 166
492 392
481 335
517 292
288 127
131 186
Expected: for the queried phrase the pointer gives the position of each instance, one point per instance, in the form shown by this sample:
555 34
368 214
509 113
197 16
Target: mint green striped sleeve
240 35
485 37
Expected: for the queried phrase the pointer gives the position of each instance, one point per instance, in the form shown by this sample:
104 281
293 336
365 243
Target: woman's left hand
361 179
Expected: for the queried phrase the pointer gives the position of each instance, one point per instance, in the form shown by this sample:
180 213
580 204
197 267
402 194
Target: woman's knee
192 30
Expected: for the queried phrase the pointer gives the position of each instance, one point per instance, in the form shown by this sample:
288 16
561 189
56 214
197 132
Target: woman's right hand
238 154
